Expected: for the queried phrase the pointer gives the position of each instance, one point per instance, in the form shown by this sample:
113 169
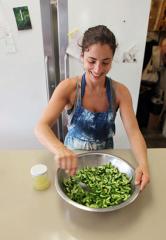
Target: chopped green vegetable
108 186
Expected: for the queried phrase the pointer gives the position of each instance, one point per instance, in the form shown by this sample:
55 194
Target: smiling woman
92 101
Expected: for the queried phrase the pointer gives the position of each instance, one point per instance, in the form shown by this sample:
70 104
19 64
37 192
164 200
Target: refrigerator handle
57 127
47 74
66 60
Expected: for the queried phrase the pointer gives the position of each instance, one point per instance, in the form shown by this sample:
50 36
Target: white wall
22 77
128 19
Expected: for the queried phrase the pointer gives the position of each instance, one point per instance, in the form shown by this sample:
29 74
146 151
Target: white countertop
26 214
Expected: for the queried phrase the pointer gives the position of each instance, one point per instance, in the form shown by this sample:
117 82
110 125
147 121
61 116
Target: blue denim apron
91 130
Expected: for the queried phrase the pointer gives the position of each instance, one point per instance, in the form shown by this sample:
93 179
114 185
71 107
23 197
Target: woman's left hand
142 176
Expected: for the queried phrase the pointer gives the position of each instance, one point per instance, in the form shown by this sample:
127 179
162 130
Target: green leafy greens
108 186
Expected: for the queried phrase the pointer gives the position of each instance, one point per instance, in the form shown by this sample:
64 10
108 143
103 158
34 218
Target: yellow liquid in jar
41 182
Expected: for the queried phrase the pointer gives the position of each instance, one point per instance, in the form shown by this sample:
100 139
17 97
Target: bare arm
136 139
60 98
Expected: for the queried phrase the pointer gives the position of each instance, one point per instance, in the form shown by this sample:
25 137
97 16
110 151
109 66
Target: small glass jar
40 177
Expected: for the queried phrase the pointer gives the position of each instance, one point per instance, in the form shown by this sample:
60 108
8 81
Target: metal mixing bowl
97 159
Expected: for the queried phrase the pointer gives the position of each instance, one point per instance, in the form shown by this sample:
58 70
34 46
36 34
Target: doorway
151 110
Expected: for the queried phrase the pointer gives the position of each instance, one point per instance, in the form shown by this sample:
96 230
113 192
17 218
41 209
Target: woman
92 101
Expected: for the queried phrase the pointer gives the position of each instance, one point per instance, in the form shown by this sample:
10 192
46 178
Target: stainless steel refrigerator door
51 52
62 16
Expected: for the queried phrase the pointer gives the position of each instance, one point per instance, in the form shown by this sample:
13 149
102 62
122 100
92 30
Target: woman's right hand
67 160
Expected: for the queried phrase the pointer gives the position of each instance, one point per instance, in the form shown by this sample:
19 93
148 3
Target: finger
145 181
74 162
73 165
63 163
71 162
142 186
138 177
72 171
68 163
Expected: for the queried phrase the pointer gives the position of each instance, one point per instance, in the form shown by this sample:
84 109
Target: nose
97 67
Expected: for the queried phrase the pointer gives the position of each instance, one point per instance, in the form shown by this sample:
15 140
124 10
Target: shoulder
68 86
121 92
69 83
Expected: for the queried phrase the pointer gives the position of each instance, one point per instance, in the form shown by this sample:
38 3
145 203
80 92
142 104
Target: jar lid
38 169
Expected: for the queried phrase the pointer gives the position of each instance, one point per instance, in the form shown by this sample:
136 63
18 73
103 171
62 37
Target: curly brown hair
98 34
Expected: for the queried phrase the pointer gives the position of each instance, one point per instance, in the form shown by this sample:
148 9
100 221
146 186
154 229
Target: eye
91 62
105 63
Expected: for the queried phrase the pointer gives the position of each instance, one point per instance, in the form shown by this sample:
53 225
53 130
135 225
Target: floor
154 138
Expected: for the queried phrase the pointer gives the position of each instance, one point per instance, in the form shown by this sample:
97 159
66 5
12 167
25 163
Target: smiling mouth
96 76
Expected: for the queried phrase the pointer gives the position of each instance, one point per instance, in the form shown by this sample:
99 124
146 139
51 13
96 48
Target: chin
97 78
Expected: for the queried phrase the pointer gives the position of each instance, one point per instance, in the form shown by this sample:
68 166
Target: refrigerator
128 19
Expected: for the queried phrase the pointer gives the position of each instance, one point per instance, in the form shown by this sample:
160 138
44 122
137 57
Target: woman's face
97 60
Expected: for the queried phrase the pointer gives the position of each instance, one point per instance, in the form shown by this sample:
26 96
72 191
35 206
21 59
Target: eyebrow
102 59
